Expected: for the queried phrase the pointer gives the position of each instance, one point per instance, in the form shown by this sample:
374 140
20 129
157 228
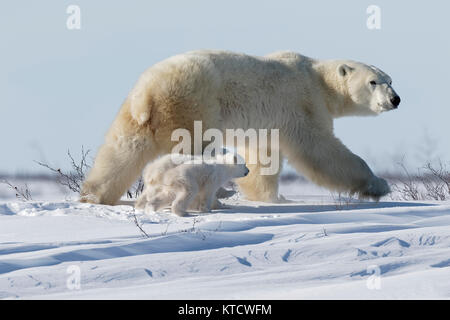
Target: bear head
368 88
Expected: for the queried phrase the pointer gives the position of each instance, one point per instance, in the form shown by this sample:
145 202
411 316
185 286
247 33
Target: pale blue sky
61 89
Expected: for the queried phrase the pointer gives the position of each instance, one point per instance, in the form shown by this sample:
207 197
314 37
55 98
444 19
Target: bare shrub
432 182
408 188
136 189
22 193
436 181
74 178
163 233
195 229
440 174
433 189
343 201
322 234
138 224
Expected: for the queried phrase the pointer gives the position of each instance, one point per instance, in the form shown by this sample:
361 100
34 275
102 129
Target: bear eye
373 83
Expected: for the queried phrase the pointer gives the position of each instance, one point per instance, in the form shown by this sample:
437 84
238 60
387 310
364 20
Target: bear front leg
327 162
158 201
207 199
183 199
261 183
141 201
257 187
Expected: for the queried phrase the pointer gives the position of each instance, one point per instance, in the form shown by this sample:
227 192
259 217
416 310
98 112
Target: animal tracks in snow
299 244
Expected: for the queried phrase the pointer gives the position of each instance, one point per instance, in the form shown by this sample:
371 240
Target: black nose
395 101
246 173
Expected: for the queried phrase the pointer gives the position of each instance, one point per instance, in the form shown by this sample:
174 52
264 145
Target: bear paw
217 205
148 208
89 198
204 208
282 199
223 193
179 211
375 188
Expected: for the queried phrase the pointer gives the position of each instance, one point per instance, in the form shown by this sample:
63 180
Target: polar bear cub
154 173
180 180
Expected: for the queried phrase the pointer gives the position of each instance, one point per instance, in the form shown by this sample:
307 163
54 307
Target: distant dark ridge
284 177
28 176
390 176
415 177
291 177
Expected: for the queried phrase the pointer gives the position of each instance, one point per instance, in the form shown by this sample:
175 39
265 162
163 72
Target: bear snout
395 101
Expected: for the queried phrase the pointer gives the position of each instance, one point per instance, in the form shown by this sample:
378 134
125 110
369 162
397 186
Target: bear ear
344 70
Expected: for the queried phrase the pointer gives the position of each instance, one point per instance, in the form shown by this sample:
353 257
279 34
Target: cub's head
369 88
235 164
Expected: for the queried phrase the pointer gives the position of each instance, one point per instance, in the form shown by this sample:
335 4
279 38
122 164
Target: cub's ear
344 70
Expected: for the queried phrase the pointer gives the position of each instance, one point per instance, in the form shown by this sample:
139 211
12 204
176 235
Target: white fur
179 185
154 172
298 95
153 175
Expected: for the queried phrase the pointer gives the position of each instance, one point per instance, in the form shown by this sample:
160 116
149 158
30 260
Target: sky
60 89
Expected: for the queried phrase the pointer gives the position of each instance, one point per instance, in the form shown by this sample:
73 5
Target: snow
314 247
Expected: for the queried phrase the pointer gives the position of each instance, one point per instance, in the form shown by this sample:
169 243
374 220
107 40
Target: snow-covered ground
315 247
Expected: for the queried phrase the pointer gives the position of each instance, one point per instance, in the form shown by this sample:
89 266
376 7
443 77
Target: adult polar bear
298 95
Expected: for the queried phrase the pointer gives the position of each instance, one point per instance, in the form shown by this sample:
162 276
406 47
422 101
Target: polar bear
153 175
187 182
296 94
155 171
